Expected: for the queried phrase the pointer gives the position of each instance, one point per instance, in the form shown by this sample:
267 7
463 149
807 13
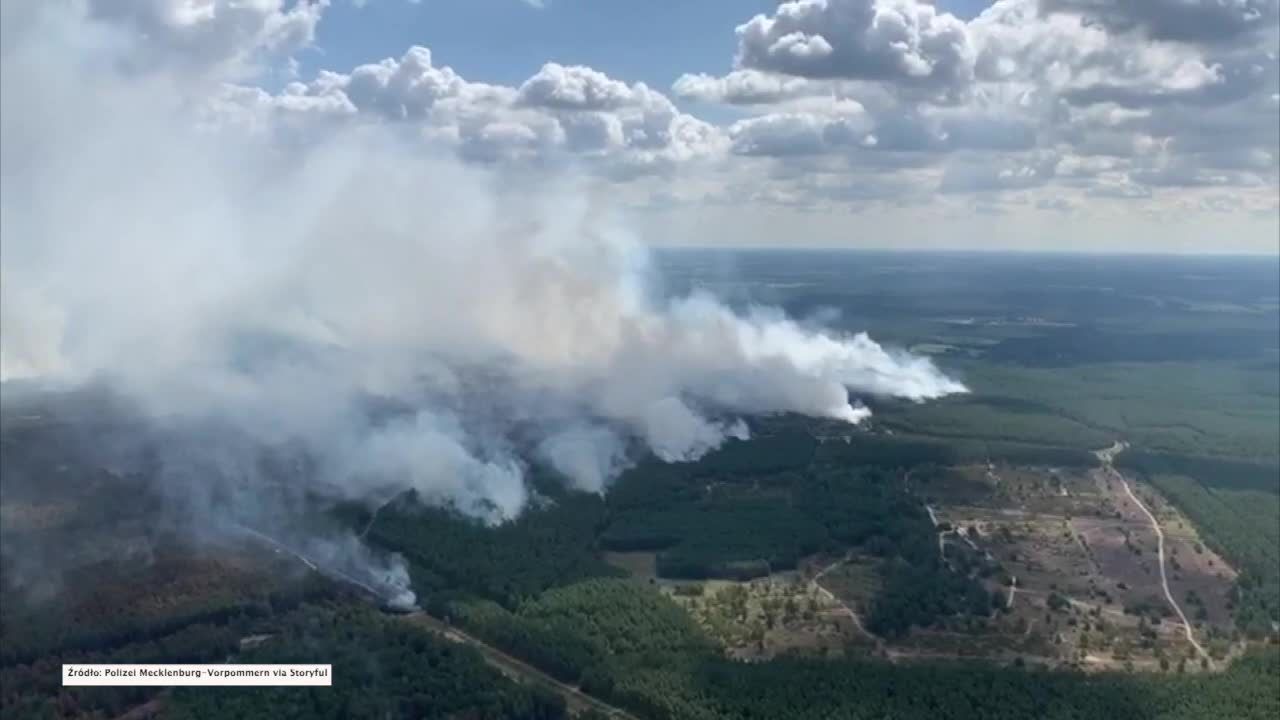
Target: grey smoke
588 455
405 321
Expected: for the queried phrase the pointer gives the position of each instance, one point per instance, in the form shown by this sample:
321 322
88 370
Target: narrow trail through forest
1106 456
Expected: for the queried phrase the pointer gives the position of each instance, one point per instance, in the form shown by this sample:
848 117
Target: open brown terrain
1082 570
1080 582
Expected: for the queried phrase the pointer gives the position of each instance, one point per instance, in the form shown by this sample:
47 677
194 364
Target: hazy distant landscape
816 559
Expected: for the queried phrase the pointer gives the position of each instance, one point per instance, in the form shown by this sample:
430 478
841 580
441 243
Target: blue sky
651 41
508 40
1022 124
1152 122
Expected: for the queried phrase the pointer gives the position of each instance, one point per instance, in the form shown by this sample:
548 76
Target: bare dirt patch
1082 559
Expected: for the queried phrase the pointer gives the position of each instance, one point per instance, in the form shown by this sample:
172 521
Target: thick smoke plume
403 320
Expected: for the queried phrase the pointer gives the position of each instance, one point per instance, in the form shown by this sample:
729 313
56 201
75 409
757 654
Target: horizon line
1241 254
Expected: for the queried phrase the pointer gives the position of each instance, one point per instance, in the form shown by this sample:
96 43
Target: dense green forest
787 441
591 633
1068 346
108 611
853 690
547 546
704 519
38 638
646 656
33 690
636 649
633 648
382 668
641 653
1224 410
1214 472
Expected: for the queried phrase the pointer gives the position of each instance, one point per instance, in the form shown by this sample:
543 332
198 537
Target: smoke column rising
278 286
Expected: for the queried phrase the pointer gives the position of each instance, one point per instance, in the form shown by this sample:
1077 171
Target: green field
1208 409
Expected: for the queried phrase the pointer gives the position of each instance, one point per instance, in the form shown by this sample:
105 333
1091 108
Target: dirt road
576 700
1106 456
841 607
942 534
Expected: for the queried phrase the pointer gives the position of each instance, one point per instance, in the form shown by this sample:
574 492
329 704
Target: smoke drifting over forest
401 320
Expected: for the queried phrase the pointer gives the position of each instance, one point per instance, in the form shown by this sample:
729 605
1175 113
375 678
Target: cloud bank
832 114
873 112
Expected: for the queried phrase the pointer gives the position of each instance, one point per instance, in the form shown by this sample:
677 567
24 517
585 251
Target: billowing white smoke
589 455
283 283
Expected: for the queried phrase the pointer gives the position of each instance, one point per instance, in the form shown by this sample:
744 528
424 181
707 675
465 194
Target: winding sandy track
1106 457
840 604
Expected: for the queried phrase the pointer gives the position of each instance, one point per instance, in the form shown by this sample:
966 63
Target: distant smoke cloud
407 322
